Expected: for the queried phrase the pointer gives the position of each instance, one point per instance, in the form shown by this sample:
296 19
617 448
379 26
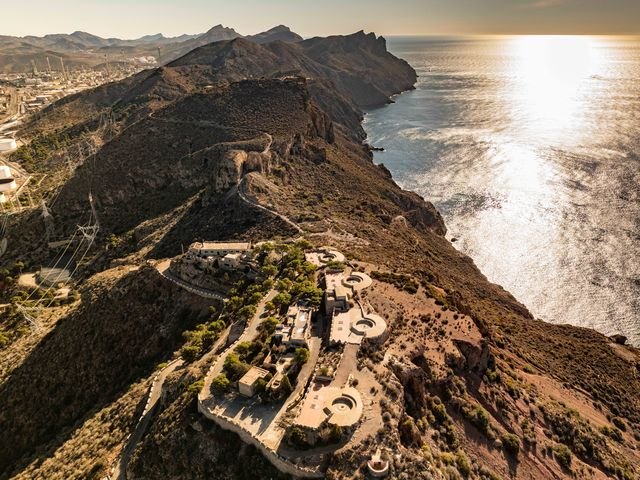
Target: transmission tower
49 224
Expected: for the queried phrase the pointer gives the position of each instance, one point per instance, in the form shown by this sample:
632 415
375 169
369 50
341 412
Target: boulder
619 339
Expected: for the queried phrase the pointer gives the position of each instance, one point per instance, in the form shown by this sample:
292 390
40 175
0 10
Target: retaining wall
276 460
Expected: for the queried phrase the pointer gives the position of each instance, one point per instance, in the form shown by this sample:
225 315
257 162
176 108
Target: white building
231 261
247 384
218 249
336 294
301 329
7 183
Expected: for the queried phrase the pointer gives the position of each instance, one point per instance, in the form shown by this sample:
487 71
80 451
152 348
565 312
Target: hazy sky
133 18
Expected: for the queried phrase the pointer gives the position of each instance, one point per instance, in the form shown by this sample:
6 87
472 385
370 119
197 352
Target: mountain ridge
83 49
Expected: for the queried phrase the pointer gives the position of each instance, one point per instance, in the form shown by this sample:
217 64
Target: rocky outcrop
232 166
619 339
476 354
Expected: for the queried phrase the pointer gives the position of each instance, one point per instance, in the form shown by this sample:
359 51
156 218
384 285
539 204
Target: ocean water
530 148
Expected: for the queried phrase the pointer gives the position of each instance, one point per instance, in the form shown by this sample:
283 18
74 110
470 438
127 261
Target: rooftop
341 325
220 246
253 375
338 406
333 280
301 324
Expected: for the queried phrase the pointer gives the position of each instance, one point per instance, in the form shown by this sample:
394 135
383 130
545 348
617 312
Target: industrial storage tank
7 144
7 182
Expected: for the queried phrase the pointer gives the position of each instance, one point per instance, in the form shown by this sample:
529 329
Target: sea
529 146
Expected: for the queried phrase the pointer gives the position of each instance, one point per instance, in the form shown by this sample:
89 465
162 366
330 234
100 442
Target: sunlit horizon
128 19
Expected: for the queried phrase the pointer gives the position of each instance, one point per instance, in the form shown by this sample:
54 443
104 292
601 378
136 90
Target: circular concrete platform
343 406
371 326
357 281
328 255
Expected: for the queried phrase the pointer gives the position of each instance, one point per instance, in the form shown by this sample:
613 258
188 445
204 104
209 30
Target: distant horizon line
386 35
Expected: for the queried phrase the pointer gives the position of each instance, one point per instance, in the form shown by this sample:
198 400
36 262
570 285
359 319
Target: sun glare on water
547 90
552 76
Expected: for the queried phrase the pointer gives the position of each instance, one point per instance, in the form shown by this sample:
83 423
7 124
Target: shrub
439 411
301 356
195 387
190 353
335 265
575 432
511 444
463 464
618 422
562 455
480 418
612 432
409 433
220 384
298 438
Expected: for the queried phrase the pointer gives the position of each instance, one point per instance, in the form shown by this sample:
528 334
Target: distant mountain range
82 49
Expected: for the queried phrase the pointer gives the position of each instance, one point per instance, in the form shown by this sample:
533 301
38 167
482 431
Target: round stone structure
371 326
357 281
327 255
378 467
343 406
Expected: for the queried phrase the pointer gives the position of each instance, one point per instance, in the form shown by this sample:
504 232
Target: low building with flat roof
341 325
301 329
218 249
231 261
336 295
247 384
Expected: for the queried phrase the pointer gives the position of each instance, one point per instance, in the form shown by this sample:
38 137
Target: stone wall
276 460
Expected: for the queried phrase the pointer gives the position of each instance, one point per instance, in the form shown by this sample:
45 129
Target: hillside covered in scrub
262 142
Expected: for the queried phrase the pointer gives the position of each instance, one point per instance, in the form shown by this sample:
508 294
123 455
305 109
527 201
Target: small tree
234 368
298 438
190 353
301 356
242 348
247 311
220 384
282 299
511 444
285 386
563 456
269 325
303 244
269 271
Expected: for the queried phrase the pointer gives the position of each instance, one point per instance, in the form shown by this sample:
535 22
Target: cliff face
359 65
